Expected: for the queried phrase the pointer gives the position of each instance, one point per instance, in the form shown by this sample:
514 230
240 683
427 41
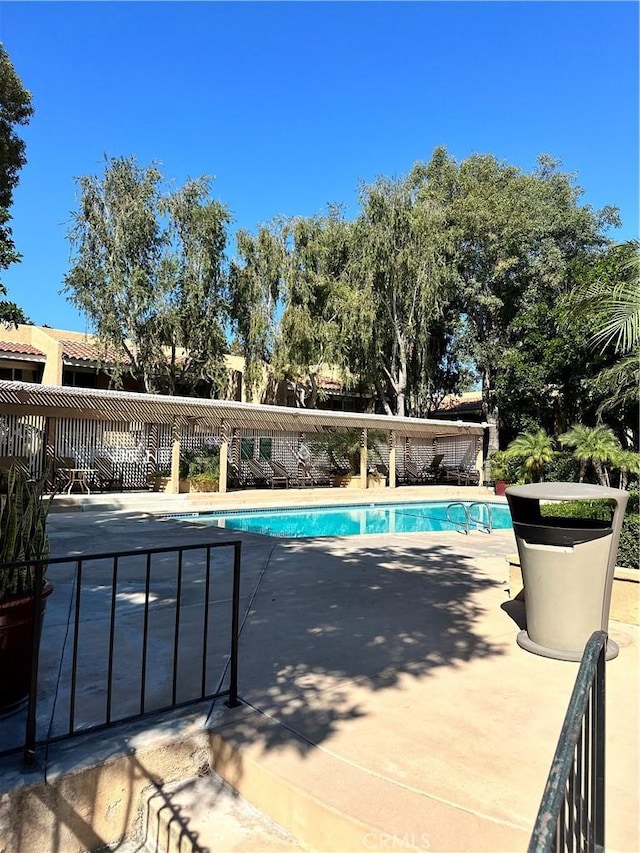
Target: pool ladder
468 518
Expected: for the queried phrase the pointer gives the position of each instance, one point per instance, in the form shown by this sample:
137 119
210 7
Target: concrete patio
386 703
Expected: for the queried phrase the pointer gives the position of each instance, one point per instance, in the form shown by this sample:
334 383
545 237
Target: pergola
227 418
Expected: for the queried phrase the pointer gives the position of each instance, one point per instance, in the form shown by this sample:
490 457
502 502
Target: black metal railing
130 634
571 813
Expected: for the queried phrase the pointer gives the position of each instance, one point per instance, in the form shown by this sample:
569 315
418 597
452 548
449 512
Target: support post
363 459
479 460
392 459
175 458
224 457
152 451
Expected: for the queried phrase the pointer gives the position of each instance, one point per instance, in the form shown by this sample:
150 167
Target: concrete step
335 806
205 814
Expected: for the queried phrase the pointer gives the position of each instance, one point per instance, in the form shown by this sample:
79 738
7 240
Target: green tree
317 303
625 462
400 275
148 273
546 374
515 235
255 281
535 449
15 109
594 446
606 297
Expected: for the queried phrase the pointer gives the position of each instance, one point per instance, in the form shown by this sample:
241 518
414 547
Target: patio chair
257 473
462 475
106 477
277 475
411 476
306 476
60 476
434 470
235 477
322 475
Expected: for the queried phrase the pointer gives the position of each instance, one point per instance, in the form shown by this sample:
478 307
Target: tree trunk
490 413
383 398
401 383
601 471
313 397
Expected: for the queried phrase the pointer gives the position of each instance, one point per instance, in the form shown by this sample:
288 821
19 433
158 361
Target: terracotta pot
16 633
500 487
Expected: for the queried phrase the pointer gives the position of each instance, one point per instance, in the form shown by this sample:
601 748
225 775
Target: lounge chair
411 475
277 475
106 477
257 473
235 476
462 475
433 471
305 476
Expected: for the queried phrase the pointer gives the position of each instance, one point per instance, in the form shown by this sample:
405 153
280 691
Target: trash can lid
567 492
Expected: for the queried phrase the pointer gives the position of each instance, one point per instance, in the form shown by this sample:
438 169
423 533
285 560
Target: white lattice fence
23 436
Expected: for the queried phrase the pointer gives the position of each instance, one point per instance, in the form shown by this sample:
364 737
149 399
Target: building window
80 378
20 374
11 373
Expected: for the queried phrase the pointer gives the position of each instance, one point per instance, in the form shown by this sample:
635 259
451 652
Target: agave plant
23 533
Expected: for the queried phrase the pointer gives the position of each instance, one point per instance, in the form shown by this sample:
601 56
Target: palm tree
615 300
592 445
625 462
536 450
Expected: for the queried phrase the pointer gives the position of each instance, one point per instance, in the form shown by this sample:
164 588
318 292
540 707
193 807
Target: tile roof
83 351
19 348
327 383
469 401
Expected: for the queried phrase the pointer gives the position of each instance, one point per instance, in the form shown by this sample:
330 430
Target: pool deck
386 703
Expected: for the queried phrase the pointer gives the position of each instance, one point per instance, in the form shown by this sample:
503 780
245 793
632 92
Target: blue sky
290 105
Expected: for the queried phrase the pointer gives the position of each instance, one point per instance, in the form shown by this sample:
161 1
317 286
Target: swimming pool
360 519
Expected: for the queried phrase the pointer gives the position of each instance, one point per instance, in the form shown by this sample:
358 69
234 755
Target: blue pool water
358 520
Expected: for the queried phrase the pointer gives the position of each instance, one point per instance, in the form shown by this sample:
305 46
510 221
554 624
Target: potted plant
343 450
23 541
160 479
206 482
503 470
201 469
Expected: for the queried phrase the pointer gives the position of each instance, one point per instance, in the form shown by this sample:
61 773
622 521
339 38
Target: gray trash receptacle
567 567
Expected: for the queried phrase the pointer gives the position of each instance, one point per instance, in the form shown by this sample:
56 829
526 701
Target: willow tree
15 110
316 301
147 271
516 234
401 276
254 286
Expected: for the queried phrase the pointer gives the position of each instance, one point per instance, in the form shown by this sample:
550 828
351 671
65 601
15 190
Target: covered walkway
143 435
